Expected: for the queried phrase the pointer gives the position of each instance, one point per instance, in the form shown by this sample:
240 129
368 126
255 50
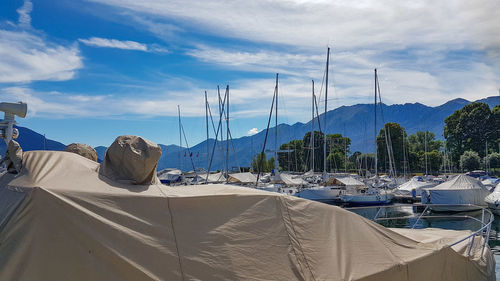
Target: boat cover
494 197
491 182
461 189
212 178
82 149
345 181
131 159
292 180
169 174
413 184
60 219
242 178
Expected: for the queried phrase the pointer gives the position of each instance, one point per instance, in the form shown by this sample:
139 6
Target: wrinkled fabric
413 184
72 223
461 189
13 157
131 159
242 178
83 150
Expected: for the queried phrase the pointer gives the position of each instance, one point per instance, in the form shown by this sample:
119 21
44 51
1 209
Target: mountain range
355 122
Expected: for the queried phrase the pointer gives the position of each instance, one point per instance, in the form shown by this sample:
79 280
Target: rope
265 139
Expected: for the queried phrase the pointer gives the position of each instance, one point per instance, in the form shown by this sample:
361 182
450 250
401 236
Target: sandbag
131 159
83 149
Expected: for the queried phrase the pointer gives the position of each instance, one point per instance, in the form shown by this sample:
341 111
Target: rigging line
189 151
215 133
284 109
265 139
234 149
211 118
215 143
380 102
322 83
390 153
213 126
317 114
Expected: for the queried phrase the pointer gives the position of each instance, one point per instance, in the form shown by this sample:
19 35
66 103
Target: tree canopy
472 128
470 161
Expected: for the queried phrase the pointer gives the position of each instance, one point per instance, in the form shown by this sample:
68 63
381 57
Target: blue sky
93 70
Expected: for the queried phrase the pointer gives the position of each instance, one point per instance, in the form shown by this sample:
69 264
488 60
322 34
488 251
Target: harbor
262 140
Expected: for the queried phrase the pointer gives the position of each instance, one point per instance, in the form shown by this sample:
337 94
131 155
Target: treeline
472 141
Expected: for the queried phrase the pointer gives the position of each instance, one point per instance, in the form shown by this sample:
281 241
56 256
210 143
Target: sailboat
372 195
325 192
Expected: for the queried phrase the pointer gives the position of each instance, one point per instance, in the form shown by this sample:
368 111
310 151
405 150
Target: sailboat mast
486 161
221 107
180 136
375 127
276 163
206 121
404 156
425 151
312 130
324 118
227 132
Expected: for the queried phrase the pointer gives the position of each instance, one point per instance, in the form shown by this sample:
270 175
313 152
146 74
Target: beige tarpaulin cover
292 180
13 157
212 178
131 159
65 221
83 149
242 178
345 181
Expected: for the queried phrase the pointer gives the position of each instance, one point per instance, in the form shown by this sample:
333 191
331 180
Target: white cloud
113 43
426 51
24 14
389 24
124 45
253 131
304 63
27 57
45 104
252 98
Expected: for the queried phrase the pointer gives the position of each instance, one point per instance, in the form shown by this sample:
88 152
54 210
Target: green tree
366 161
434 161
293 160
396 135
337 148
471 127
417 141
416 150
317 150
494 160
352 161
335 161
259 163
270 164
470 160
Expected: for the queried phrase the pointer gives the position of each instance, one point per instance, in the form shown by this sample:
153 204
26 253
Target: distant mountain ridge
359 127
31 140
358 121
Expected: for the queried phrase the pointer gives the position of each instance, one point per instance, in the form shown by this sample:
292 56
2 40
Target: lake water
453 223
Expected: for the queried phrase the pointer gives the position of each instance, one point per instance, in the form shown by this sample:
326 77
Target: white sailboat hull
321 194
367 199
